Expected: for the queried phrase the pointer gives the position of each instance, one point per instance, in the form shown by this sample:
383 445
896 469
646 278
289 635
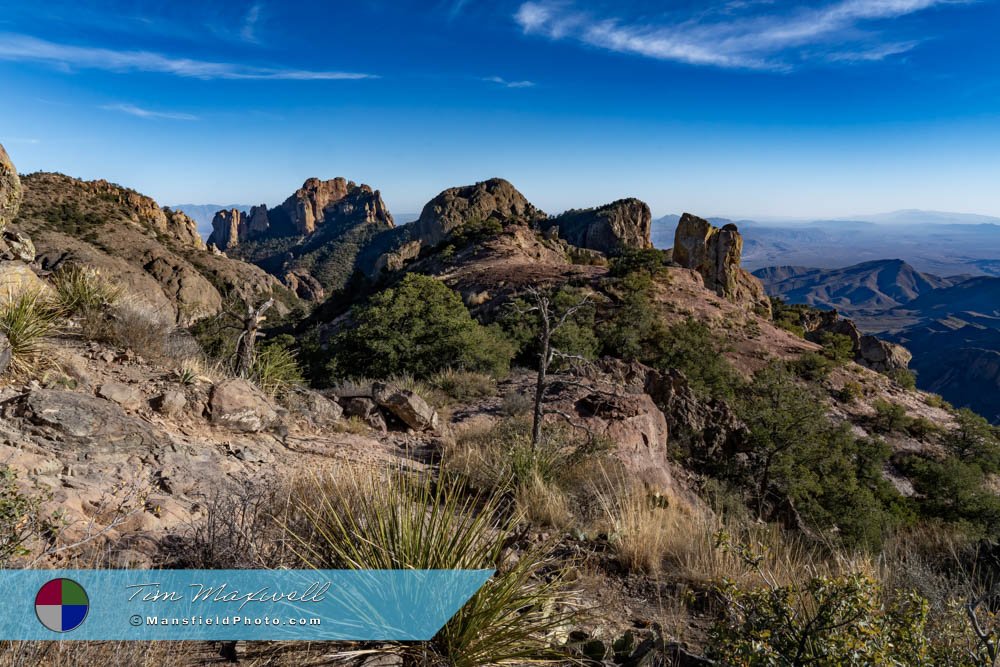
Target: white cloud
133 110
249 30
753 42
510 84
65 56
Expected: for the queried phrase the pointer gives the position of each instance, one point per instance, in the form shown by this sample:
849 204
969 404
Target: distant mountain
914 216
203 214
876 285
951 325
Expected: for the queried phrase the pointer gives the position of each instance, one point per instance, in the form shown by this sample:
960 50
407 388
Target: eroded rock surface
10 189
621 224
495 199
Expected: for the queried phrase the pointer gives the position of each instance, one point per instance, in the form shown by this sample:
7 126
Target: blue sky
738 107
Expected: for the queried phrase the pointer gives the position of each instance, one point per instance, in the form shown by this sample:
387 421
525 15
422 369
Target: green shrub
837 347
576 337
904 377
410 523
649 261
419 327
956 492
788 317
692 348
28 320
275 367
813 366
84 291
845 620
850 392
889 417
975 440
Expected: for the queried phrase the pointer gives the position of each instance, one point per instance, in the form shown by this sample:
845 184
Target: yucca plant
275 369
28 319
408 522
83 290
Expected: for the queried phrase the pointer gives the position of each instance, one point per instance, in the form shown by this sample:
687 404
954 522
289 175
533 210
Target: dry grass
543 503
464 386
28 320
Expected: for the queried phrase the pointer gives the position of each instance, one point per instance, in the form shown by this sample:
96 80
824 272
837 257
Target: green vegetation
420 327
904 377
649 261
28 320
576 337
84 291
21 517
788 316
409 523
275 368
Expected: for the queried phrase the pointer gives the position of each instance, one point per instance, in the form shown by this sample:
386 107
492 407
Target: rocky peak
493 199
715 254
621 224
228 229
10 190
311 205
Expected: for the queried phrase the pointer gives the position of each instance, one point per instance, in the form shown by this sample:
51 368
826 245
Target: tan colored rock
882 356
257 221
622 224
240 406
124 395
170 403
410 408
494 199
10 190
5 353
14 245
715 254
397 259
16 277
226 229
183 230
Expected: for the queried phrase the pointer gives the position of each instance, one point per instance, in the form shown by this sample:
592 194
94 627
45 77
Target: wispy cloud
249 30
133 110
17 47
733 37
509 84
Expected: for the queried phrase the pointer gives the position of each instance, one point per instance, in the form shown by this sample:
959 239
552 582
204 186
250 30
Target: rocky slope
157 253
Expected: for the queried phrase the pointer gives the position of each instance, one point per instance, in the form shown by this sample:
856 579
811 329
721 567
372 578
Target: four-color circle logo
61 605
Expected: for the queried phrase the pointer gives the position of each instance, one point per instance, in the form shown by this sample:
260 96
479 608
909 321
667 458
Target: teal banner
359 605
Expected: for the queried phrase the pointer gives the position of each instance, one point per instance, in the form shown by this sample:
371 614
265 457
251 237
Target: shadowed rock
621 224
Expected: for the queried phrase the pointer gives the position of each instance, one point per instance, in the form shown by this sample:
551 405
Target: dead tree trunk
246 344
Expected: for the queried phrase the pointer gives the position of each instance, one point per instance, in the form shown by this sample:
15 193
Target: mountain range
951 325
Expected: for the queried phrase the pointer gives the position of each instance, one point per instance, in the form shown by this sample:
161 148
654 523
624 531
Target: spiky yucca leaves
28 319
275 369
405 522
84 290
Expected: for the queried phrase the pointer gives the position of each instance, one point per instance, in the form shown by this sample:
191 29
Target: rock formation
10 190
143 210
875 353
228 228
621 224
494 199
715 254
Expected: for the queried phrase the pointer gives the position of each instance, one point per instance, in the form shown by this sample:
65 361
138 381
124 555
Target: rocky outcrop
307 206
10 190
14 245
182 229
406 406
240 406
304 285
6 353
495 199
396 259
875 353
228 228
715 254
17 277
621 224
257 220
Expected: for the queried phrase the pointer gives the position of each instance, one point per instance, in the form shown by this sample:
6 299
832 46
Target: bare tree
246 344
552 321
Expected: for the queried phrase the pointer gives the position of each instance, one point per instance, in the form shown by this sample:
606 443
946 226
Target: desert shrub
975 440
134 325
419 327
632 260
28 320
516 404
275 367
851 392
832 479
889 417
464 385
921 427
475 231
813 366
837 347
575 337
21 517
936 401
846 620
84 291
404 522
904 377
635 329
639 527
954 491
788 317
691 347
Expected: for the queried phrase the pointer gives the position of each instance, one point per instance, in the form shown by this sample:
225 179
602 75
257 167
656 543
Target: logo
61 605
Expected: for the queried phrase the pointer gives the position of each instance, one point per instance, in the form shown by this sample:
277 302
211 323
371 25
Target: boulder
124 395
240 406
10 190
396 259
14 245
882 356
313 407
76 418
305 286
5 353
16 277
364 409
406 405
494 199
170 403
621 224
715 254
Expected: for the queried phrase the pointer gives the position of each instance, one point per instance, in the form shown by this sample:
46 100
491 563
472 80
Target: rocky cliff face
621 224
228 227
10 190
495 199
715 254
308 205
